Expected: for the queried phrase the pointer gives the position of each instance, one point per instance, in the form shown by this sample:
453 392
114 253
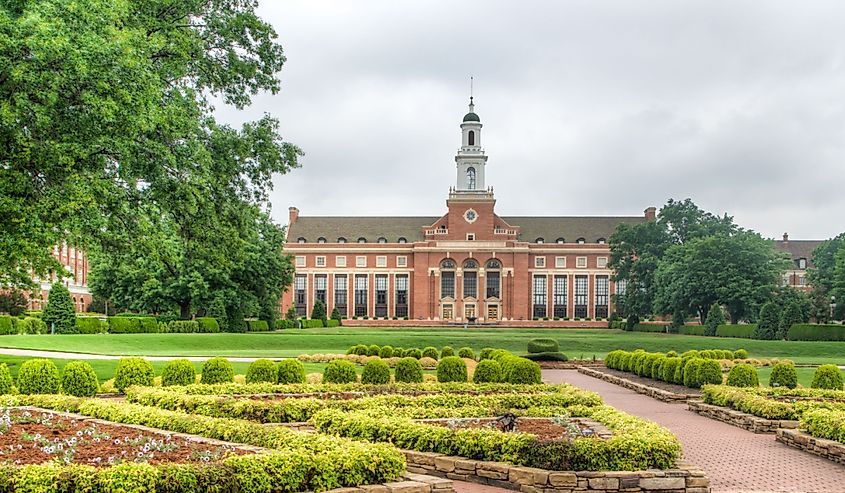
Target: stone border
828 449
683 479
654 392
754 424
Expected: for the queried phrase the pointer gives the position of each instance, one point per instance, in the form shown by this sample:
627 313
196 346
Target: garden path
736 460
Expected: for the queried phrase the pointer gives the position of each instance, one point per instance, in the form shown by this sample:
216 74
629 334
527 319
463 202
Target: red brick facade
76 265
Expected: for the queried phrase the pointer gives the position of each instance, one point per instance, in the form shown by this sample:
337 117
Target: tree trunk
185 310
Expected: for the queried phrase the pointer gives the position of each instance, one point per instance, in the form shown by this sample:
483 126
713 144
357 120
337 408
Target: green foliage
376 372
13 302
487 371
670 369
262 370
38 376
89 325
485 353
291 371
387 352
132 325
260 325
692 330
791 315
217 370
715 318
373 350
217 311
31 325
644 327
558 356
466 352
178 372
740 354
414 353
133 371
745 331
336 315
59 313
743 375
318 312
79 379
517 370
430 352
5 325
767 324
183 327
340 371
691 370
709 373
409 370
825 423
816 332
827 377
447 351
451 369
543 346
5 380
783 375
208 325
311 324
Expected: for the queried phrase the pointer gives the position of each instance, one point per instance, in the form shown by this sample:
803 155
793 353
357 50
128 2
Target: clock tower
470 159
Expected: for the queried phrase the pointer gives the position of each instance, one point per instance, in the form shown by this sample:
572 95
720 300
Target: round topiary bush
691 372
409 370
447 351
414 353
543 346
743 375
466 352
361 349
386 352
672 354
290 371
487 371
740 354
827 377
430 352
451 369
709 373
217 370
5 379
38 376
376 372
262 370
485 353
692 353
669 368
657 366
520 371
373 350
178 372
783 375
340 371
133 371
79 379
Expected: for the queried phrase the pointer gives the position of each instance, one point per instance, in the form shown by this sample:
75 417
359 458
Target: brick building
75 263
801 254
470 264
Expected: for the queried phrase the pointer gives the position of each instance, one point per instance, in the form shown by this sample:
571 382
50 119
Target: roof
798 248
471 117
410 228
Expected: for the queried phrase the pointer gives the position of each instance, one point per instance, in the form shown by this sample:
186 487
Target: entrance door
469 311
493 313
447 312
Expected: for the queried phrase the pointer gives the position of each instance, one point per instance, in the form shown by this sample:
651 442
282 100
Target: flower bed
545 429
767 403
328 390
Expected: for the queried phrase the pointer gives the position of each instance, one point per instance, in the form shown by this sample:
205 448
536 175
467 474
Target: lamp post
832 306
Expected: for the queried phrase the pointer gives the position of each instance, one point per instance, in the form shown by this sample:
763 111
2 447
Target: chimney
785 239
650 213
293 215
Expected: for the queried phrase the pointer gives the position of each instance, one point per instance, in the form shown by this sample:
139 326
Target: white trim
340 261
560 262
401 261
361 261
300 261
579 261
320 261
381 261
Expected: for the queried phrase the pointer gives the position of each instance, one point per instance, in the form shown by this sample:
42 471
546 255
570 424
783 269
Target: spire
471 104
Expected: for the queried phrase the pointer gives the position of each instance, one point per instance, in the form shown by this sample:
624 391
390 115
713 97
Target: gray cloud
600 107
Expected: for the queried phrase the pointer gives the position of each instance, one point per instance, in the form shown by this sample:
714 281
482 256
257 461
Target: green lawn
576 343
805 375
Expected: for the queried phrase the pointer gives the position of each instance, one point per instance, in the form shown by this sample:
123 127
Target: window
493 289
601 262
802 280
447 284
401 295
494 264
300 261
401 261
402 240
381 261
470 264
581 262
340 261
320 283
320 261
580 241
321 240
560 262
471 138
382 240
340 293
341 240
539 296
621 287
362 240
802 263
559 301
601 296
471 178
601 241
539 240
580 296
447 264
381 295
361 295
470 236
540 262
299 297
360 261
560 241
470 284
300 240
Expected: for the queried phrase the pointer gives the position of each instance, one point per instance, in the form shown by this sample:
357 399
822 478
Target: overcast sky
589 107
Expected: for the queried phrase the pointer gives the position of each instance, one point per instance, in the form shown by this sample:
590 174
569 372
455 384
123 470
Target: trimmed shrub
183 327
447 351
5 379
408 370
485 353
428 362
657 366
333 322
767 325
743 375
744 331
89 325
649 328
669 368
451 369
32 325
217 370
262 370
133 371
543 346
178 372
520 371
132 325
373 350
386 352
783 375
311 324
709 372
340 371
38 376
208 325
816 332
291 370
414 353
59 311
359 349
430 352
466 352
691 372
740 354
672 354
6 326
558 356
79 379
260 325
827 377
715 318
692 330
487 371
376 372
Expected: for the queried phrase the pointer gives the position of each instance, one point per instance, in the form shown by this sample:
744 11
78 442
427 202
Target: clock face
470 216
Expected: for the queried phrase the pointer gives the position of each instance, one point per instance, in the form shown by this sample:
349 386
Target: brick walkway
735 460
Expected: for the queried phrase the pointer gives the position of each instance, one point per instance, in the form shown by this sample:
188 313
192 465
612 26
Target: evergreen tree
715 318
217 309
767 325
336 314
319 311
791 315
59 313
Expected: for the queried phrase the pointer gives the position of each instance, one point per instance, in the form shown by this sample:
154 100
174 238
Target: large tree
105 122
828 277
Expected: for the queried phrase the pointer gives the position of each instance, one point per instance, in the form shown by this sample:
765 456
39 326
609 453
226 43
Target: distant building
75 263
801 254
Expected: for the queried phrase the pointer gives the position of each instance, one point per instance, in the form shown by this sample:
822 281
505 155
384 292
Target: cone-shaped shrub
178 372
133 371
262 370
291 371
376 372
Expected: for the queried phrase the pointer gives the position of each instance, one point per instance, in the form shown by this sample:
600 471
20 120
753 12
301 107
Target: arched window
601 241
447 264
362 240
470 264
382 239
471 178
402 240
560 241
341 240
539 240
493 264
471 138
300 240
580 241
321 240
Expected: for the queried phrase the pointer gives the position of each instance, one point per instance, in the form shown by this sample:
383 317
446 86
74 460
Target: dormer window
362 240
300 240
539 240
601 241
560 241
341 240
580 241
802 263
382 239
402 240
321 240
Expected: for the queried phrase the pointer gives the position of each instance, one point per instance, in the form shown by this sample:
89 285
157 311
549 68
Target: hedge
5 325
551 356
257 326
692 330
311 323
132 325
543 346
743 331
208 325
332 323
89 325
650 327
816 332
285 324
